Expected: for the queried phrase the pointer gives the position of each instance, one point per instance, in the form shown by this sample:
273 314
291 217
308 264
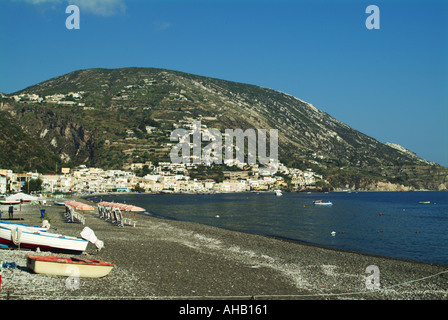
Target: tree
137 188
33 185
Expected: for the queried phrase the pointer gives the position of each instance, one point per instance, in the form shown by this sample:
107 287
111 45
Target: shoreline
277 237
163 259
301 242
245 192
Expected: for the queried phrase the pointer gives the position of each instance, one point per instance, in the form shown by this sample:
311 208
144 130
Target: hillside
112 118
20 151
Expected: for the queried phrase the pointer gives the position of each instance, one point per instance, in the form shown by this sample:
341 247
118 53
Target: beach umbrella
122 206
21 197
137 209
104 204
79 205
125 207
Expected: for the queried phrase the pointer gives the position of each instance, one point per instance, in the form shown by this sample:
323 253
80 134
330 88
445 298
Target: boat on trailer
74 266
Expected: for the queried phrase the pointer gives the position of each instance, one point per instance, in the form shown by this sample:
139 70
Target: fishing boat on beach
12 225
74 266
322 203
18 235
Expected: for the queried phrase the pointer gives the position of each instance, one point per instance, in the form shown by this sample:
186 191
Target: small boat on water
322 203
424 202
74 266
278 193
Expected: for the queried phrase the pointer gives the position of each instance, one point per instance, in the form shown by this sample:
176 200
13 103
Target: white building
2 183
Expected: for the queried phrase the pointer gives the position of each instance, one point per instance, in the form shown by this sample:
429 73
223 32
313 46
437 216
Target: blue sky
391 83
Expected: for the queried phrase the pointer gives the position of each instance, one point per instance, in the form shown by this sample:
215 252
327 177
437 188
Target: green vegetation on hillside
112 118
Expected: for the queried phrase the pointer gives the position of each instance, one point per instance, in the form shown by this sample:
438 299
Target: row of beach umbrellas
121 206
79 205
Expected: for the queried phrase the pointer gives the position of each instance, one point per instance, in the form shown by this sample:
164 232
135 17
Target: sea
391 224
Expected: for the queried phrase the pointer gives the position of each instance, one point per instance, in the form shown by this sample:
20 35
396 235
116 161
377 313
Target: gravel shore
161 259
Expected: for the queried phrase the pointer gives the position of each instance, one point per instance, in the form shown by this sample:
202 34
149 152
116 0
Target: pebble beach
162 259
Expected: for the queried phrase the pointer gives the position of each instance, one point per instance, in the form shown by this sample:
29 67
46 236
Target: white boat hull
322 203
28 238
13 225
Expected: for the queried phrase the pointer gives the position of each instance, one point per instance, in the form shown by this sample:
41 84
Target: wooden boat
76 267
322 203
32 238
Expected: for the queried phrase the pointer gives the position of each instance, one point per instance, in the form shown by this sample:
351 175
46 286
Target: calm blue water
404 229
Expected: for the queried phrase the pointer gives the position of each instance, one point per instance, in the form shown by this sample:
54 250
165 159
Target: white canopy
21 196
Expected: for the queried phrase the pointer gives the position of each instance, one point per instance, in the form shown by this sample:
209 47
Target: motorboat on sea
278 193
74 266
424 202
322 203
